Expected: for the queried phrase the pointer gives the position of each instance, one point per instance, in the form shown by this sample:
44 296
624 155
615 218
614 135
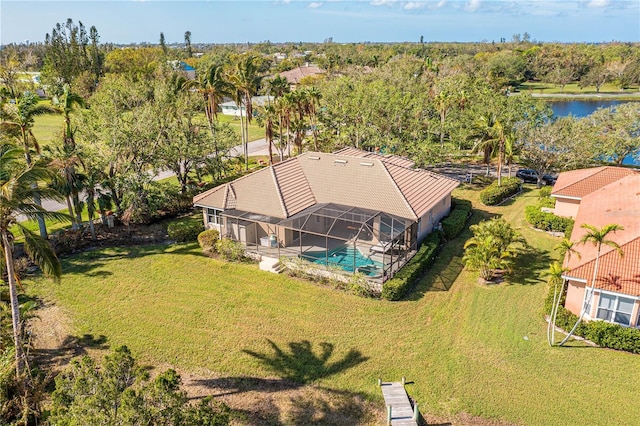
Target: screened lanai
332 236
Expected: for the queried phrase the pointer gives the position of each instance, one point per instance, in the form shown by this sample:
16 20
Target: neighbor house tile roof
620 274
617 203
367 181
578 183
294 76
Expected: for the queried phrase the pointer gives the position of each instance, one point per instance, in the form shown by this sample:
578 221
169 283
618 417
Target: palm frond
41 253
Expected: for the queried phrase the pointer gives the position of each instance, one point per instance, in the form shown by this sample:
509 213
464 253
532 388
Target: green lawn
573 89
468 348
48 127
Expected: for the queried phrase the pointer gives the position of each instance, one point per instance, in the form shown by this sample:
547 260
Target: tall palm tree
597 237
17 198
214 87
566 250
246 81
492 137
18 120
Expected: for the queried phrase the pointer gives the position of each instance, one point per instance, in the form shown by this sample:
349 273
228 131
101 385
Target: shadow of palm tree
302 365
527 264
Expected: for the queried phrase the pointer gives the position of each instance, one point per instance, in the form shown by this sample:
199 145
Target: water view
583 108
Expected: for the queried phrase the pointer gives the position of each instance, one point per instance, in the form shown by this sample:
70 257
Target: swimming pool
342 257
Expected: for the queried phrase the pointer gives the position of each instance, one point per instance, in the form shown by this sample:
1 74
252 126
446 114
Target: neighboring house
231 108
187 70
295 75
572 186
352 210
616 295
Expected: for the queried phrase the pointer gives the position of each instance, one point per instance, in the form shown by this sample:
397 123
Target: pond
583 108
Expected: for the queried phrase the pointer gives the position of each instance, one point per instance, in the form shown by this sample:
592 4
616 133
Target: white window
587 302
616 309
213 216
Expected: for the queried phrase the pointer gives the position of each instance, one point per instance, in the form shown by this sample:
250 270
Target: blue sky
214 21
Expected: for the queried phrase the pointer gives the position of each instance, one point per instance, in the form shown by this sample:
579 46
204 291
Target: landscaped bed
472 349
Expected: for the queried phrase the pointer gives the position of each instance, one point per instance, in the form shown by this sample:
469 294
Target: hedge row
453 224
401 283
494 194
546 221
603 334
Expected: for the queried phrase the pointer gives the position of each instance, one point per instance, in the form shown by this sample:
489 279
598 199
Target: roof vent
366 164
340 162
313 157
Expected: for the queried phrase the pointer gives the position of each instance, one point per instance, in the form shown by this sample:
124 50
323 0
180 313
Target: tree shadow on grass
292 399
71 346
448 264
527 265
88 262
302 365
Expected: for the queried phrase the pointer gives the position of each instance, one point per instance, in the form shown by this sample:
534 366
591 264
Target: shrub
546 221
453 224
545 192
207 240
494 194
230 250
569 230
401 283
184 231
603 334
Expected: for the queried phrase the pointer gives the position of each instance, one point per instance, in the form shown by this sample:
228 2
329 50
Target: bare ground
253 400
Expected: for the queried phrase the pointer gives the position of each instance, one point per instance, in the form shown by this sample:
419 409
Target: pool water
342 257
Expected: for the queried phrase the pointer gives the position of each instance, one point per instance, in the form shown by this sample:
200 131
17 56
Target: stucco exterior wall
566 207
434 216
575 297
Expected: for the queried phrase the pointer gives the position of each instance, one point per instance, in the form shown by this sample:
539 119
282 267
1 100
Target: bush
184 231
569 230
230 250
494 194
401 283
545 192
453 224
546 221
603 334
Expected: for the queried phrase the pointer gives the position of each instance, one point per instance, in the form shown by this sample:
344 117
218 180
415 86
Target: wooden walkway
396 399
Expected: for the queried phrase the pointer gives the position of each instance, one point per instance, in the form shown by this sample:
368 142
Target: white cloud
314 5
415 5
383 2
599 3
472 6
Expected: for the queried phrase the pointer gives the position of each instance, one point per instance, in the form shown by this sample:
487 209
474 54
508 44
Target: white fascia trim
207 207
567 197
570 278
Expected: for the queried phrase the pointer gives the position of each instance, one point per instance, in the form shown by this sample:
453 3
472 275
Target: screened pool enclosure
340 238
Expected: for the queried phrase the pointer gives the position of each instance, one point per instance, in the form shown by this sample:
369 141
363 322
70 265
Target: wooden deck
395 396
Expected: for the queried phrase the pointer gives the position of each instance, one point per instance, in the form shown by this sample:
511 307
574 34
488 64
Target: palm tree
554 275
67 103
566 250
491 136
597 237
17 195
214 87
18 120
245 80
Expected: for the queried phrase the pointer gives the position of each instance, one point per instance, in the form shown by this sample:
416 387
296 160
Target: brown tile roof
422 189
368 181
616 203
294 76
294 188
389 158
620 274
578 183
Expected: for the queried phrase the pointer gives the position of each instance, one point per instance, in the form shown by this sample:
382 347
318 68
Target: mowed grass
468 348
574 89
48 128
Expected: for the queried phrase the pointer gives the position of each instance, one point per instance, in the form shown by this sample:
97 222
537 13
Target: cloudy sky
215 21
